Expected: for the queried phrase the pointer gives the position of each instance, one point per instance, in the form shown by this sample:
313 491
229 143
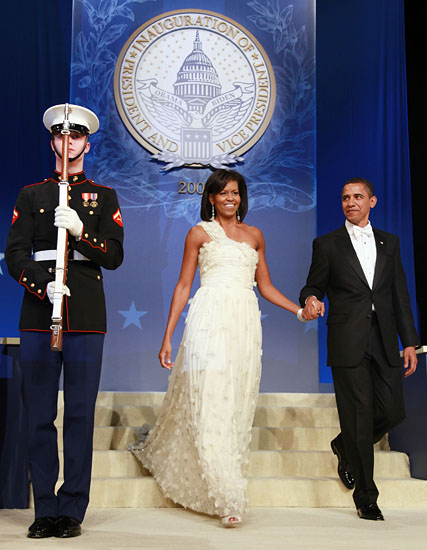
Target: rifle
61 243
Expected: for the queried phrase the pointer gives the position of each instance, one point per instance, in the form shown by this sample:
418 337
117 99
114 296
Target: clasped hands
313 308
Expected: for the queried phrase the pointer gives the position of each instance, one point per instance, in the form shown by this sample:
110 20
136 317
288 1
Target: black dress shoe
67 527
42 528
344 474
370 511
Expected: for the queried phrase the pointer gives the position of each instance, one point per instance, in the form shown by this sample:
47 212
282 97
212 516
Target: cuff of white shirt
300 316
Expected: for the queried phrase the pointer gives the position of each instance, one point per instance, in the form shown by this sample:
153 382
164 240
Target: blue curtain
36 47
36 61
362 119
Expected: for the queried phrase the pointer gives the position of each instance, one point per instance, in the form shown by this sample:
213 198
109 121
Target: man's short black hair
367 183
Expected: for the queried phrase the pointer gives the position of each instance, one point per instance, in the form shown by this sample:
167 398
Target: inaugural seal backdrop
181 90
201 110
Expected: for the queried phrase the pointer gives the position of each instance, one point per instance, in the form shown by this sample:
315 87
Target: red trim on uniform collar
73 179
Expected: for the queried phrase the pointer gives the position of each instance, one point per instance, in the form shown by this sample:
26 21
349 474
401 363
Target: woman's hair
215 184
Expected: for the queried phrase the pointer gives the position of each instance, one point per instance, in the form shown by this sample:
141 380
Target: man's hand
410 360
313 308
68 218
51 290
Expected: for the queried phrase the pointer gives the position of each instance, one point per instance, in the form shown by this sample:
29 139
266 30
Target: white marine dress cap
82 120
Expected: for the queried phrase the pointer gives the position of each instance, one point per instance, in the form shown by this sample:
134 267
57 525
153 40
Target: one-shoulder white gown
199 447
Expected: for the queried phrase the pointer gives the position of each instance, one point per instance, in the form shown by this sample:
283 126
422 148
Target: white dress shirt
363 241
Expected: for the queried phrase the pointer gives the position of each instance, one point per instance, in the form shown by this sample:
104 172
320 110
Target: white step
302 439
263 491
271 416
261 463
264 399
290 460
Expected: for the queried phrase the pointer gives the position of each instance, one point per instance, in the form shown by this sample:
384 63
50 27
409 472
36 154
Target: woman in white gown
199 447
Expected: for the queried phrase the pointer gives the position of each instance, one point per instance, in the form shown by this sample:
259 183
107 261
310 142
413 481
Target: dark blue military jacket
101 242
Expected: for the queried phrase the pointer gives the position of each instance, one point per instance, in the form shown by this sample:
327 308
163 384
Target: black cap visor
79 128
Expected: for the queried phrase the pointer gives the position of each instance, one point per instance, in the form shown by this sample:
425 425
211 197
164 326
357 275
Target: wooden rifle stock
61 244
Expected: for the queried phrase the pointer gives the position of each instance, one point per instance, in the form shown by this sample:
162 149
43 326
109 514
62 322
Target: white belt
46 255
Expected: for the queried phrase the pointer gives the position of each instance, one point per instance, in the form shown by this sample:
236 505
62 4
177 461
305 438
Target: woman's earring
213 213
238 216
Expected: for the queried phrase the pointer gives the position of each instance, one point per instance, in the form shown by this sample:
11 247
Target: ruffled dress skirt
198 450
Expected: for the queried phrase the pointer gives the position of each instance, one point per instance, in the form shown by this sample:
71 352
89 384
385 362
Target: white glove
68 218
51 290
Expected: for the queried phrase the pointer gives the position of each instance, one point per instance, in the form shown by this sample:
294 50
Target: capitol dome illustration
197 80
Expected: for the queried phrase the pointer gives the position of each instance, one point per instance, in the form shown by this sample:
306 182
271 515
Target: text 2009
191 188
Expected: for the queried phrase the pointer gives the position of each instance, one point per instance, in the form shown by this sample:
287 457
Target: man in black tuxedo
360 271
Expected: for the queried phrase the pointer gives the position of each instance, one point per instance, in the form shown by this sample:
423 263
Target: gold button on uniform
94 240
102 245
91 212
25 279
98 277
39 291
86 235
32 285
75 178
41 210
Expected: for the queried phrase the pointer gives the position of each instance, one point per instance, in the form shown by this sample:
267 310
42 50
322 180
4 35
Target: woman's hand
195 239
165 355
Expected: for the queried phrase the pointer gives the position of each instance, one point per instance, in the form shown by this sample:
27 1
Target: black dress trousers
370 403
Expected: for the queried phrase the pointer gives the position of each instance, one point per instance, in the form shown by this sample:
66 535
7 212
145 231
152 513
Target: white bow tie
362 231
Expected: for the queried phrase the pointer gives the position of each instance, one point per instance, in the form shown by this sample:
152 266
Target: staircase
290 463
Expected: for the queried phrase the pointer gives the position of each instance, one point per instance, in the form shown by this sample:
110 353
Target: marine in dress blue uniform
95 230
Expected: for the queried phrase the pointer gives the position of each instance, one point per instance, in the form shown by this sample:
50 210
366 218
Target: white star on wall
132 316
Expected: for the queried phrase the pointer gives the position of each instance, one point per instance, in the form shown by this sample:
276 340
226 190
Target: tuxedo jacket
101 242
336 271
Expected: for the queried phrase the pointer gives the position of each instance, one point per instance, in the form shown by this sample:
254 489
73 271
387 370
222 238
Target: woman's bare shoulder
254 235
255 232
197 236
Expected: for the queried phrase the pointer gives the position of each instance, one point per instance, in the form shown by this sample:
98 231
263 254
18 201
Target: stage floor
264 528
